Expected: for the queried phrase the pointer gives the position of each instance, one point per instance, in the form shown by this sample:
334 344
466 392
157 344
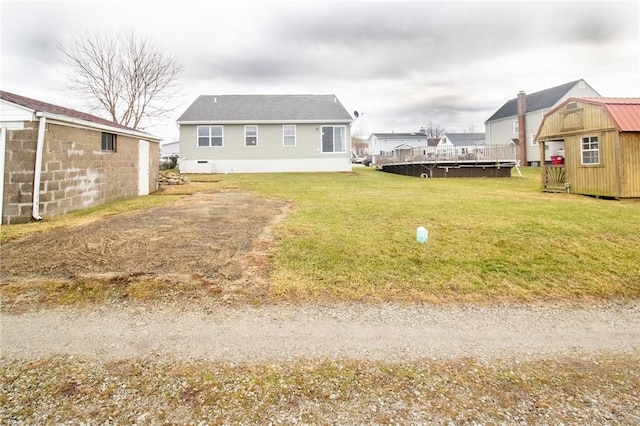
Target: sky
401 65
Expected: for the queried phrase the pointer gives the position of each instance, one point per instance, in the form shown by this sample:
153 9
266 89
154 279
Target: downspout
37 173
3 143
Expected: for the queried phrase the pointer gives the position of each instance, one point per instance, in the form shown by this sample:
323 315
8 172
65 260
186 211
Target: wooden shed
595 144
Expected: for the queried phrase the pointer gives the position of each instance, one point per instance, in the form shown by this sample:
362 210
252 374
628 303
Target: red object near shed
557 159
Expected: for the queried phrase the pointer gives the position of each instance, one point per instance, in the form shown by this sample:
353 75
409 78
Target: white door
143 167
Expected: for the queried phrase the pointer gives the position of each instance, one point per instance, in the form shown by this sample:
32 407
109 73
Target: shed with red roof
599 147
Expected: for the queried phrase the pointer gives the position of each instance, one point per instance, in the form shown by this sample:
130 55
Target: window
210 135
590 151
289 135
334 139
108 142
516 127
250 135
534 142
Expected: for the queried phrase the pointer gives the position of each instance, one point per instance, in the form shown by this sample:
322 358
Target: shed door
143 167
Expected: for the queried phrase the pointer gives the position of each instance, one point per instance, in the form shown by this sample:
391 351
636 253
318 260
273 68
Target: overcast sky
404 64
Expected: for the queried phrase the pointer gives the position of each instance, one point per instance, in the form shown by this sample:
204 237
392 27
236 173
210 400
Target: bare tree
433 131
358 142
122 75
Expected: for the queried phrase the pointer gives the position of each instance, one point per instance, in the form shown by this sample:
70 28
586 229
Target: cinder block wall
20 157
76 173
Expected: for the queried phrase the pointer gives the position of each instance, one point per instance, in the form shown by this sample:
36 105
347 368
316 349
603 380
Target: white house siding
502 131
378 145
270 154
169 149
13 116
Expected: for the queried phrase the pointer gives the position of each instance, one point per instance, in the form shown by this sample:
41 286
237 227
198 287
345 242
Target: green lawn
351 236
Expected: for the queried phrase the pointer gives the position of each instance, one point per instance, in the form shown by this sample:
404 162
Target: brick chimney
522 130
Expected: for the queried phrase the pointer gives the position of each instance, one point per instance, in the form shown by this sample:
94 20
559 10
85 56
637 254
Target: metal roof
625 112
258 108
535 101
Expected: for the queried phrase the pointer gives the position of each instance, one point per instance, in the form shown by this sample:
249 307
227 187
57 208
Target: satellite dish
356 114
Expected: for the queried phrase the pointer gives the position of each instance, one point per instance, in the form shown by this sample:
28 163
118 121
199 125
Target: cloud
402 63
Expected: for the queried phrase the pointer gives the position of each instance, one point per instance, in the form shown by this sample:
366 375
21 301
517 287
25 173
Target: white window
210 136
250 135
532 137
590 150
289 135
516 127
334 139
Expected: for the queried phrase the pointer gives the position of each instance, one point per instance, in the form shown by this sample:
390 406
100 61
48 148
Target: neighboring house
265 133
599 141
460 143
386 143
170 149
54 160
518 120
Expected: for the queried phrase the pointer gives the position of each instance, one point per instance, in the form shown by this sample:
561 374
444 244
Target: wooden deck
481 161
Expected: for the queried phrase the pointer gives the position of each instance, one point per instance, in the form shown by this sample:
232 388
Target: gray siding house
54 160
518 120
265 133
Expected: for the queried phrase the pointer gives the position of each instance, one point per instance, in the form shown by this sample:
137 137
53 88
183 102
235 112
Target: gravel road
285 332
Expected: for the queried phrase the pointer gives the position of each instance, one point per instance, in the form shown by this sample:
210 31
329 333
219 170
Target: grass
351 237
10 232
586 390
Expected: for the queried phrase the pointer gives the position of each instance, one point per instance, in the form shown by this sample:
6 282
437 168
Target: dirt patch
220 238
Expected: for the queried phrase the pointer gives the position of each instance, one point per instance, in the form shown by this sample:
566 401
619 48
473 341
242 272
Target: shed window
334 139
210 136
289 135
250 135
590 150
108 142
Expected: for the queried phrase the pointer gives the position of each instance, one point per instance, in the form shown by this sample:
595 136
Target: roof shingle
535 101
37 105
247 108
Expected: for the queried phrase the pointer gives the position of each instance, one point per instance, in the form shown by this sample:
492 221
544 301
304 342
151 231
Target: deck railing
484 154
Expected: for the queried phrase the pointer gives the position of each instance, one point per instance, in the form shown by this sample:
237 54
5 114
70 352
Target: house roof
624 112
465 139
68 114
535 101
37 105
412 135
257 108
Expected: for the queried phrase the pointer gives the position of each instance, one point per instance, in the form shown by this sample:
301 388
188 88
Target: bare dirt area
194 360
216 238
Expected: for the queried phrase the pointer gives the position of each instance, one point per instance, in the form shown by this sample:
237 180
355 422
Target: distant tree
358 142
122 75
433 131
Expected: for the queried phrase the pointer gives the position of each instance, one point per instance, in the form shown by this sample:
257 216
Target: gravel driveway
283 332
